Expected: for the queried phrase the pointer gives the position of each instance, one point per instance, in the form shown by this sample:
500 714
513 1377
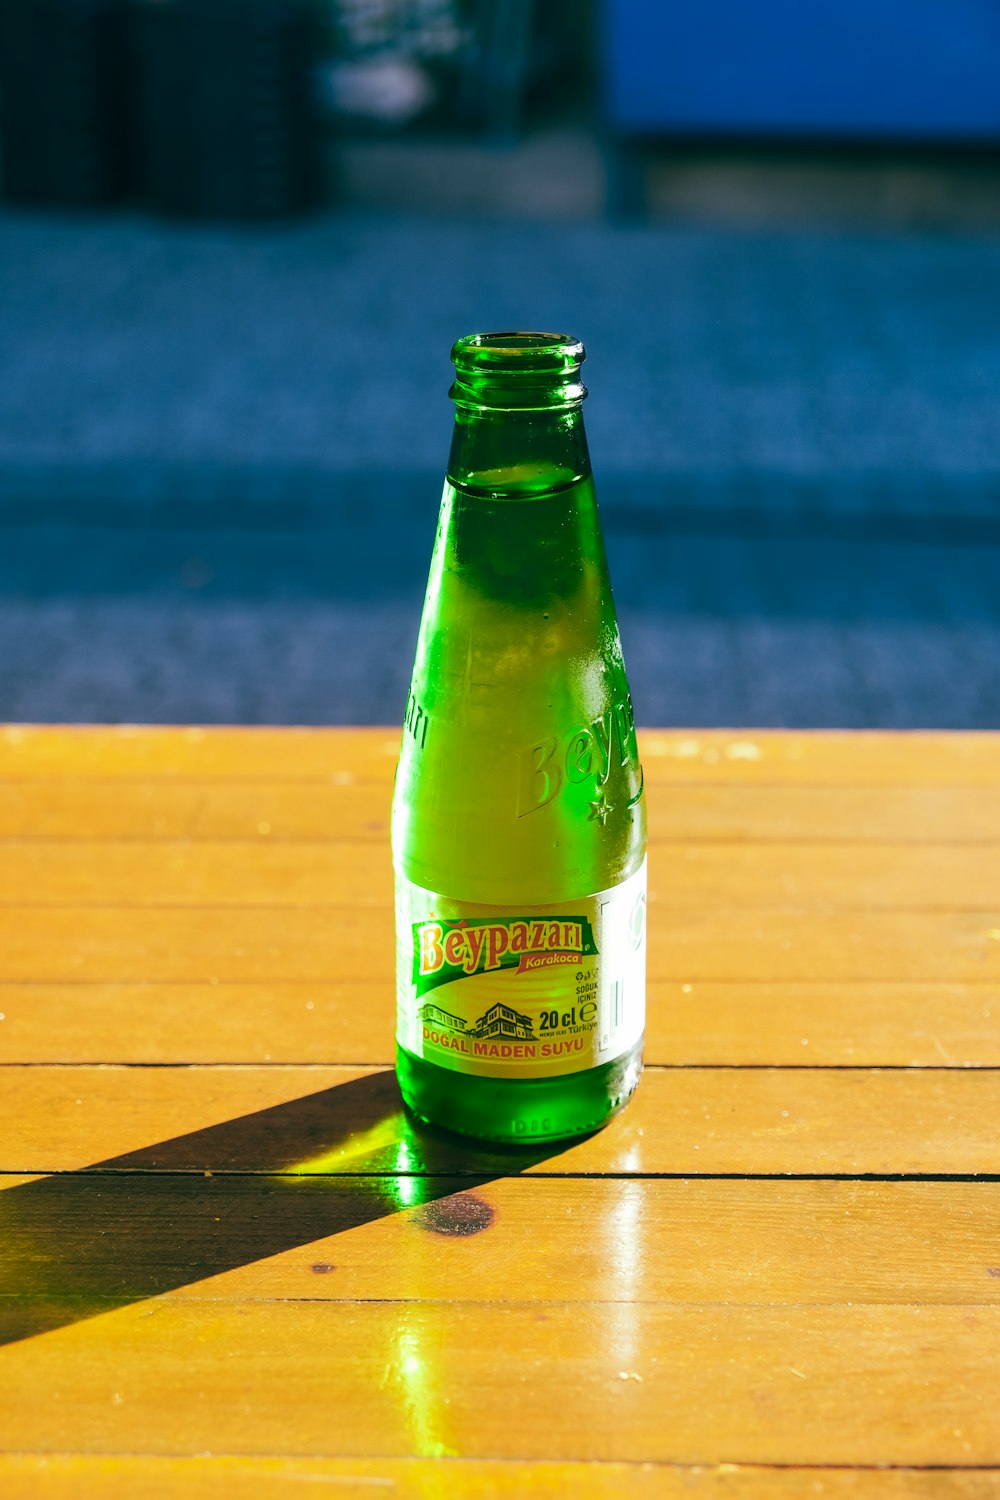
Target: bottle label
521 992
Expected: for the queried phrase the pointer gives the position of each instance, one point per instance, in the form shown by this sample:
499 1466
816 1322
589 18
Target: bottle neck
516 454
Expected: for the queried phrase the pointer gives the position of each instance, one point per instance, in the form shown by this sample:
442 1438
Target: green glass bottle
518 823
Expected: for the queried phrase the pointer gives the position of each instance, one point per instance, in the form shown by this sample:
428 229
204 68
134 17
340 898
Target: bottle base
518 1111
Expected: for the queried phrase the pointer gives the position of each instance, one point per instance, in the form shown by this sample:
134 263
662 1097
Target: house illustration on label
499 1021
436 1015
504 1020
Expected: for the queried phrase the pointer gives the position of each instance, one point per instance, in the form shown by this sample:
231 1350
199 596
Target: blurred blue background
238 237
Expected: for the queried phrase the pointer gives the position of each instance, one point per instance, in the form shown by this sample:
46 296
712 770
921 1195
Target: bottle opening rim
519 350
521 369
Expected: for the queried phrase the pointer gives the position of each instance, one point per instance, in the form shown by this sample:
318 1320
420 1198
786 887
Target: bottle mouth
518 371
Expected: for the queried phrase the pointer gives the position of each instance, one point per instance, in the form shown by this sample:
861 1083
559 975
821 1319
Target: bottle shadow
77 1244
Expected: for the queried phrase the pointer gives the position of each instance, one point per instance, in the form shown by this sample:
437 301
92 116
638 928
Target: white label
519 991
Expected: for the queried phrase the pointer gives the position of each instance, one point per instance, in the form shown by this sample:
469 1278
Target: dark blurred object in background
516 45
466 64
390 63
224 101
64 118
201 107
236 109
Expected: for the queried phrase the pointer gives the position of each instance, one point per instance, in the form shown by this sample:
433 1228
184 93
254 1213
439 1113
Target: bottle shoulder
558 817
519 770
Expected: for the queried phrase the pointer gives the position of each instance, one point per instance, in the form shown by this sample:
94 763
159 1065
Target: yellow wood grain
184 872
862 1024
199 896
826 758
904 814
830 1023
274 872
331 810
227 753
264 943
68 1476
684 1121
820 758
791 1384
719 877
511 1239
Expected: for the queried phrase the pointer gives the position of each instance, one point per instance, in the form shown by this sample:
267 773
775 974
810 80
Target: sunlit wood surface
229 1266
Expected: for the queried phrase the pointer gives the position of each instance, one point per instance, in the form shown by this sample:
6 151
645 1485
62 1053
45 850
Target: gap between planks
688 1121
684 875
141 1476
892 1023
744 754
123 1476
294 813
809 1240
280 943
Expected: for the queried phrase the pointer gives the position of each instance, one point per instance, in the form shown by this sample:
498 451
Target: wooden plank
688 1121
905 815
845 1025
739 1023
329 810
789 1384
253 810
184 872
845 946
270 872
228 753
662 1268
825 758
800 875
51 944
130 1235
730 1023
126 1477
820 758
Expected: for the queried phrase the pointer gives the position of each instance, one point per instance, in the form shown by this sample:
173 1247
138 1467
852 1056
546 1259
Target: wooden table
230 1265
